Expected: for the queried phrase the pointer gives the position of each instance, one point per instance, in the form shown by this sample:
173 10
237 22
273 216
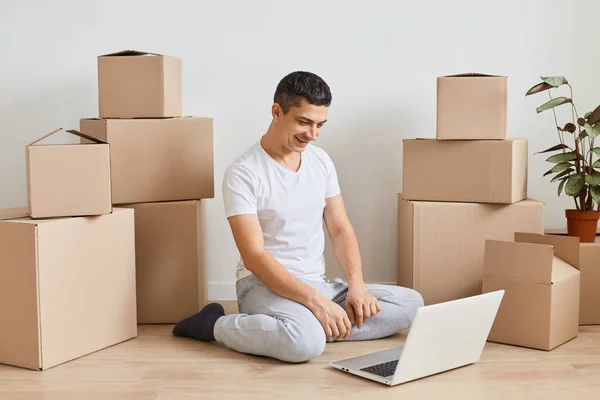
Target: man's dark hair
302 84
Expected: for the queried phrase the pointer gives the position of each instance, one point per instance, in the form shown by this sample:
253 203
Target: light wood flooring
157 365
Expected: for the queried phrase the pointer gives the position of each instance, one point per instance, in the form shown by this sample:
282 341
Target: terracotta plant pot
582 224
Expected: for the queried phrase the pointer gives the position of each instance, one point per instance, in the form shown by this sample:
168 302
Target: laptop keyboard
383 369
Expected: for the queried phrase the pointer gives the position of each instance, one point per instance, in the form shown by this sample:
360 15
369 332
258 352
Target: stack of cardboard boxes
162 167
77 274
465 192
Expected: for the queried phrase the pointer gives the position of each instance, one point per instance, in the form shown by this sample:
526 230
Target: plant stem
582 194
560 137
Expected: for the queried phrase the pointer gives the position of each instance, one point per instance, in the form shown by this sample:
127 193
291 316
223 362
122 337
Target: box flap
472 75
561 270
521 261
71 131
14 213
125 53
565 247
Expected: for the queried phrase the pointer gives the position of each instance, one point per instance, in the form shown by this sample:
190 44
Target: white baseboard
221 291
226 290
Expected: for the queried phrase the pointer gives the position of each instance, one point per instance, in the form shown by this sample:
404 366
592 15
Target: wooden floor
157 365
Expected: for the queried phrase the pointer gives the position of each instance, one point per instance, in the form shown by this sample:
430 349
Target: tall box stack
466 185
162 167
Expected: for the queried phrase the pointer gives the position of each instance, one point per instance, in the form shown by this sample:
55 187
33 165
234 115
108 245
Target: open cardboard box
66 180
471 106
67 286
589 267
539 274
139 84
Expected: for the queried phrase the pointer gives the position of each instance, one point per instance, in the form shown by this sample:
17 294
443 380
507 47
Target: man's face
301 125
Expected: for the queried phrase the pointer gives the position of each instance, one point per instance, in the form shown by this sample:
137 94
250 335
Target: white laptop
442 337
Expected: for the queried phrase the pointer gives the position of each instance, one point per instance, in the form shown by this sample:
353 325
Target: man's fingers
350 312
359 316
348 327
328 332
378 305
374 309
341 329
334 330
366 312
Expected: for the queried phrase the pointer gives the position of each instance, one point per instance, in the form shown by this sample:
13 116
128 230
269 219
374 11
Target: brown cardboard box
139 84
540 308
157 159
170 260
589 268
479 171
67 286
471 106
441 244
69 179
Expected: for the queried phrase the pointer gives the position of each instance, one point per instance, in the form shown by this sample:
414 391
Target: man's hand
332 317
361 305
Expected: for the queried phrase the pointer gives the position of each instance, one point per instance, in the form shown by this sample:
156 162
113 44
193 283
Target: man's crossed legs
273 326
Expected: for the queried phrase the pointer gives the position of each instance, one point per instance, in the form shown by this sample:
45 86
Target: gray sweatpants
273 326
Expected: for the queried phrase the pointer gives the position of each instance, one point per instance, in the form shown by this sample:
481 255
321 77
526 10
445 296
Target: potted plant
574 168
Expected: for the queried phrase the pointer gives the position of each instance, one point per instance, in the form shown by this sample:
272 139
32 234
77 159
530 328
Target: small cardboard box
139 84
69 179
170 260
540 308
167 159
67 286
589 267
441 244
471 106
478 171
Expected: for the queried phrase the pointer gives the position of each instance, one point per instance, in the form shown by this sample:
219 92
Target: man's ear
276 112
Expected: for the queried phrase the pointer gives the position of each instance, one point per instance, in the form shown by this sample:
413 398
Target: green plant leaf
594 117
587 114
559 167
560 186
557 101
593 179
555 81
562 157
593 131
554 148
595 192
540 87
583 135
596 164
596 150
574 185
562 174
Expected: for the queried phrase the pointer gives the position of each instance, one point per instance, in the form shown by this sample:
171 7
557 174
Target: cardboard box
482 171
67 287
69 179
540 308
157 159
471 106
139 84
170 260
441 244
589 268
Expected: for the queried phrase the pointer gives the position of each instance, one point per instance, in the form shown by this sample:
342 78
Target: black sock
201 325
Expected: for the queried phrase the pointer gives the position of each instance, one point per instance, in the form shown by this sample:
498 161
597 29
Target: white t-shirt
289 205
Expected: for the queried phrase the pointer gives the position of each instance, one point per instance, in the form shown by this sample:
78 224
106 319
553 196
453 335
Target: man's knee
306 341
414 302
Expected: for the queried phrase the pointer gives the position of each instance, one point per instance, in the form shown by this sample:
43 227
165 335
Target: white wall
381 59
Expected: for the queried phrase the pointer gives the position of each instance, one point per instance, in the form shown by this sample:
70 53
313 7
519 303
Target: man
276 196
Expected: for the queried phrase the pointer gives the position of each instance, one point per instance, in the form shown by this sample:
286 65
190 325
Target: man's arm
248 237
360 304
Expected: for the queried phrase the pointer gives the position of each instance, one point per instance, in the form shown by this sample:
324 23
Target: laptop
442 337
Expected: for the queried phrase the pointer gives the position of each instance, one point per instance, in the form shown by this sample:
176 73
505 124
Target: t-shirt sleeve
239 191
333 186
